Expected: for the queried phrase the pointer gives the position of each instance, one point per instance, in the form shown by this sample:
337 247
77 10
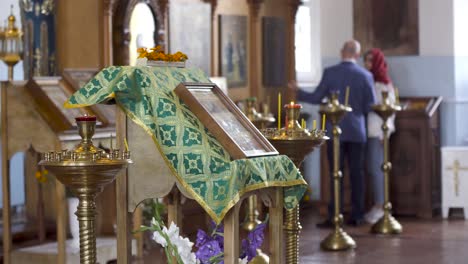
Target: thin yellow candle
323 122
314 124
279 111
302 123
397 96
347 95
126 144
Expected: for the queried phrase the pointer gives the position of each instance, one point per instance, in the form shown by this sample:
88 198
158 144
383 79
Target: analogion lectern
187 139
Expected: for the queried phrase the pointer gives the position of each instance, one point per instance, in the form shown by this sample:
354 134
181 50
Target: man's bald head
351 50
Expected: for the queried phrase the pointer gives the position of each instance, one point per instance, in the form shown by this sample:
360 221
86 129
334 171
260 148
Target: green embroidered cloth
197 159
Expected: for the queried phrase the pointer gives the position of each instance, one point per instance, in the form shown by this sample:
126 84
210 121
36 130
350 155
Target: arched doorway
142 30
122 32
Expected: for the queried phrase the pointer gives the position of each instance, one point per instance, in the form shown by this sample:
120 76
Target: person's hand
292 87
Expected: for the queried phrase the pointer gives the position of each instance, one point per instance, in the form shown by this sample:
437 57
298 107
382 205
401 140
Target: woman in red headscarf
374 61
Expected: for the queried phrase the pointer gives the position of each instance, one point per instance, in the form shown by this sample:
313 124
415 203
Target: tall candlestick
347 95
279 111
323 122
314 126
126 144
397 96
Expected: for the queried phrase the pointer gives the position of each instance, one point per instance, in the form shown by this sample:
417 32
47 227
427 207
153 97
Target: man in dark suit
353 139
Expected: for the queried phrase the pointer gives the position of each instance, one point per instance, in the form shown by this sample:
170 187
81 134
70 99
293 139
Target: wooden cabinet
415 187
415 155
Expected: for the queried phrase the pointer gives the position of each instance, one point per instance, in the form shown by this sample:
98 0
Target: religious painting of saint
233 49
391 25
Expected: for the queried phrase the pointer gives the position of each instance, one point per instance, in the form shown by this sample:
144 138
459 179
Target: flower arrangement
157 54
210 248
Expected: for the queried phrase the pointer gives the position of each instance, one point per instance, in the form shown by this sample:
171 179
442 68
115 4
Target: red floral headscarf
379 66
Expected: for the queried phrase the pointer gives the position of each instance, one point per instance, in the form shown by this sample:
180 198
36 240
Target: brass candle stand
86 170
338 239
295 142
387 224
261 121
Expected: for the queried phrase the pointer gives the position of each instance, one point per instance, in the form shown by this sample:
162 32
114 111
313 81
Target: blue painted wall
428 76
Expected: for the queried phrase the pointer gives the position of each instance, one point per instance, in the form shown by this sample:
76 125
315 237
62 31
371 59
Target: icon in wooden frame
225 120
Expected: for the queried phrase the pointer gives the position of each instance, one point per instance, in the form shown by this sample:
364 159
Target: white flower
243 261
159 239
173 232
181 245
184 249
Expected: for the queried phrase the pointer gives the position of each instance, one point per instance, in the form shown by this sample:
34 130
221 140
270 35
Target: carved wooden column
213 4
163 29
254 9
293 5
108 11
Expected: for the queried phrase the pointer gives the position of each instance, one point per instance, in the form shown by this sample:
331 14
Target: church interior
233 131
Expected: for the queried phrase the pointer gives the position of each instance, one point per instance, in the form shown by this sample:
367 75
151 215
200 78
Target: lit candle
126 144
397 96
314 126
279 111
323 121
347 95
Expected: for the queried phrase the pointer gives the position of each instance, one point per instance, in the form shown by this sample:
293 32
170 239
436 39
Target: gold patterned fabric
196 158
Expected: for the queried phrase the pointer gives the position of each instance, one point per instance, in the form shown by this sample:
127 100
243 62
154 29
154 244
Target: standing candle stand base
338 239
387 224
295 142
86 170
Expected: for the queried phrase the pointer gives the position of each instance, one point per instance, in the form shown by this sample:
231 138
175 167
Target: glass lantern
12 45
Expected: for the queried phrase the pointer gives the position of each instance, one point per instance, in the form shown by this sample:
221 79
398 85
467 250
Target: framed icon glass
225 120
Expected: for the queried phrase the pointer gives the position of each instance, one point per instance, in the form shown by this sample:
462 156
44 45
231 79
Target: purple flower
220 240
247 250
208 250
202 238
216 228
257 235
